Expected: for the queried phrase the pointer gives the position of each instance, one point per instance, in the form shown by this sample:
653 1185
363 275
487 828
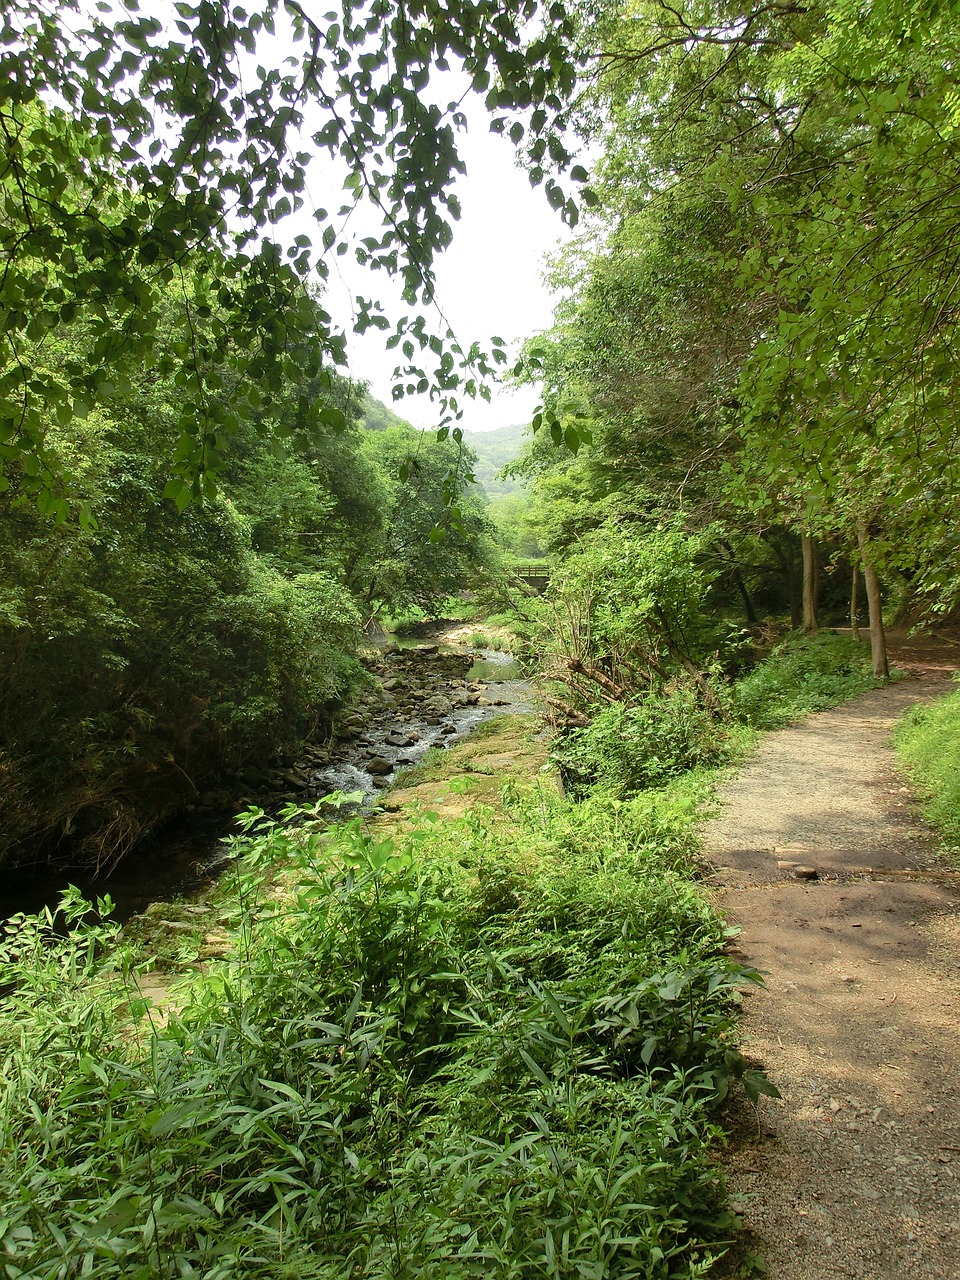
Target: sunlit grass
928 740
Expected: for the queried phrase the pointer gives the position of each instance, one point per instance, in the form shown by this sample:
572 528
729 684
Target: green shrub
484 1048
802 674
928 741
629 747
486 640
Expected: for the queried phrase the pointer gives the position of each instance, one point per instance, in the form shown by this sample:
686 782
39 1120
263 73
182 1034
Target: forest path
855 1170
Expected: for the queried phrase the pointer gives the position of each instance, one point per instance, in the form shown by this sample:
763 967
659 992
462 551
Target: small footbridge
534 574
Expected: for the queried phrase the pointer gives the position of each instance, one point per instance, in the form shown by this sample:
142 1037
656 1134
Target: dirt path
855 1171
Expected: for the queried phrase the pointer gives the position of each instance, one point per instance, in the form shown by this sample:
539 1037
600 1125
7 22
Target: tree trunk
788 570
878 639
854 603
710 699
616 691
809 549
573 718
748 608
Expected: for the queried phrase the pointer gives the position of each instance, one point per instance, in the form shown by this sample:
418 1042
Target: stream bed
422 696
439 708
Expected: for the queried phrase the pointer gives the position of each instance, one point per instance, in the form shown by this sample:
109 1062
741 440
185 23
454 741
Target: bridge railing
533 573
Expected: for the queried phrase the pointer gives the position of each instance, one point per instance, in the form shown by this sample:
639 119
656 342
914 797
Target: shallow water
500 672
495 668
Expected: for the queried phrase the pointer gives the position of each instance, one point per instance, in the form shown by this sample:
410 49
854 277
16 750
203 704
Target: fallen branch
575 718
616 691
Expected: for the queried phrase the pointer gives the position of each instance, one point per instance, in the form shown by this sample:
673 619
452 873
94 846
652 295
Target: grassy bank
928 742
631 746
489 1046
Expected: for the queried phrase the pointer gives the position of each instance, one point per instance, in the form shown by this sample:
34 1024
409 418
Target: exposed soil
853 1172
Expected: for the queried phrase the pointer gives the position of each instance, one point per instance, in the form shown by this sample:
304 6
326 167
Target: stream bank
424 695
429 695
507 748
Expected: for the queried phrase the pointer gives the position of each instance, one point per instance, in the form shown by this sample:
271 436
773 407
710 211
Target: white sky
488 281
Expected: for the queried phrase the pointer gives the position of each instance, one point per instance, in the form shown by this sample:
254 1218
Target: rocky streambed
427 697
422 696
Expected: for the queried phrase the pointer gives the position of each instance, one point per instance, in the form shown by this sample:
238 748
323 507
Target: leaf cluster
761 321
133 154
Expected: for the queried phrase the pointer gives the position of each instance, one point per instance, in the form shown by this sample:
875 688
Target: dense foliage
435 533
799 676
138 157
631 746
489 1048
647 669
758 325
928 740
149 655
649 684
161 335
729 365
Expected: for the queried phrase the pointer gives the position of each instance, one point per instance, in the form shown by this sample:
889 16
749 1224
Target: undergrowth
629 747
492 1046
483 1048
928 741
802 674
490 640
663 734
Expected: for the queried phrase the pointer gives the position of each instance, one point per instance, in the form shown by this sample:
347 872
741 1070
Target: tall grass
928 741
485 1048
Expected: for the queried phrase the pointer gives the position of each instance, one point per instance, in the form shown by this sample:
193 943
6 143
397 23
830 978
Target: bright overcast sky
488 281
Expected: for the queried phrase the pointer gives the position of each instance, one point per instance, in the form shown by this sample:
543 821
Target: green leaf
179 492
756 1085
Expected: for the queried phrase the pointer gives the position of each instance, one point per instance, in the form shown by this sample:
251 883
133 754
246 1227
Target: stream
422 696
443 710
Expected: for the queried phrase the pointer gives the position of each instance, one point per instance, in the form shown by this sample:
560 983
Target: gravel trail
855 1171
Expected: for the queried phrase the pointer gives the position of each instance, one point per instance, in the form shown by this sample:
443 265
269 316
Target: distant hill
494 449
377 416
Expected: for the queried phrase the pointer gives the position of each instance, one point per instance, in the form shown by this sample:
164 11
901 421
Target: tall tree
148 656
823 137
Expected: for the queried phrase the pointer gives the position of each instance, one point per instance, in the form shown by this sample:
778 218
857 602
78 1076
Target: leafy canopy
766 320
137 158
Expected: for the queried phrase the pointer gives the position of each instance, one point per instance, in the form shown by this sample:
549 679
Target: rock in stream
427 698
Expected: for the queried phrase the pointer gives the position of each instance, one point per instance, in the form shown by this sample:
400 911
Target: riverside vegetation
194 524
151 659
492 1045
928 740
495 1045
